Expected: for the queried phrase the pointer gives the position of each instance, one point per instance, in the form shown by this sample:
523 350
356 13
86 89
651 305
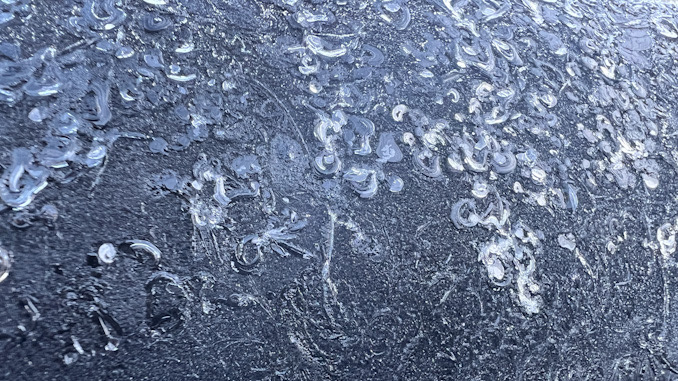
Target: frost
148 247
387 149
567 241
666 235
5 264
106 253
504 114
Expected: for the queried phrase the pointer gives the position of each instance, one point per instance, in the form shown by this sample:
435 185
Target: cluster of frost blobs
526 104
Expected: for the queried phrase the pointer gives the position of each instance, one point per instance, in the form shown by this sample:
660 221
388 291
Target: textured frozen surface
315 190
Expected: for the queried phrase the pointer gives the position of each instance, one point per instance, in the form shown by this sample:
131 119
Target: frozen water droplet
96 155
36 115
538 175
5 264
666 235
106 253
567 241
148 247
480 189
186 47
651 181
124 52
387 149
396 184
70 358
495 269
49 212
158 145
181 78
